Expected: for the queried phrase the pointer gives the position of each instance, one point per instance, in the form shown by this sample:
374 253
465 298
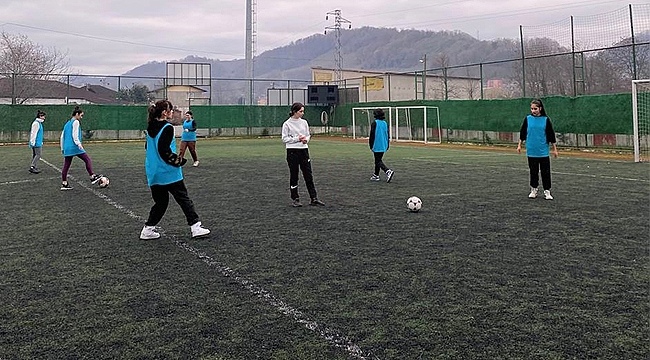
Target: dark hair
40 113
295 107
77 110
379 114
539 104
188 112
156 110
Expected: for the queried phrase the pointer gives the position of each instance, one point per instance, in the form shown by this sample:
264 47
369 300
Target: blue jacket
189 130
379 138
68 147
38 142
538 132
158 171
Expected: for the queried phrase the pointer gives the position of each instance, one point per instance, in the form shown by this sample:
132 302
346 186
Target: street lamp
423 60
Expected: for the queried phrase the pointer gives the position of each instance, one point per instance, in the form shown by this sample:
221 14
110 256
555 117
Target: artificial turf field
482 272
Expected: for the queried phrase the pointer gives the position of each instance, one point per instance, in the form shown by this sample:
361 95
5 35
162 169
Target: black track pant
535 164
298 160
379 164
160 195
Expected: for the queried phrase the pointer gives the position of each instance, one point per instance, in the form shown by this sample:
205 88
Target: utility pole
251 35
338 60
424 76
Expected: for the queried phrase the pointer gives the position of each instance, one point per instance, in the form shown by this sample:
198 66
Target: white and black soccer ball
103 182
414 204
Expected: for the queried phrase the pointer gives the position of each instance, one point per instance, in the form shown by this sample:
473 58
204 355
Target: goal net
362 118
641 119
418 123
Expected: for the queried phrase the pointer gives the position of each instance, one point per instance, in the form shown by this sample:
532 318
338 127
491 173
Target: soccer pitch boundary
325 332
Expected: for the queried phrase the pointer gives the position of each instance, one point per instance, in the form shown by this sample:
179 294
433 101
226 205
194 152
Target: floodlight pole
251 34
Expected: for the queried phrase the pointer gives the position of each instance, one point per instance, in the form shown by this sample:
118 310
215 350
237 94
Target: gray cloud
112 37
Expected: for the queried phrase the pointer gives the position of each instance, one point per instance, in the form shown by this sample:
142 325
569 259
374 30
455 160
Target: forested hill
367 48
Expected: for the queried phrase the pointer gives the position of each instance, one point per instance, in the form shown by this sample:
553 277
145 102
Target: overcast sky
110 37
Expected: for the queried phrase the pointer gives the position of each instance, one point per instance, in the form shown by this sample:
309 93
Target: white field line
331 335
432 160
40 178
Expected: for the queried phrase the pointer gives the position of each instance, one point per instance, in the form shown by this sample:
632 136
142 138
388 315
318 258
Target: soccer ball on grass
414 204
103 182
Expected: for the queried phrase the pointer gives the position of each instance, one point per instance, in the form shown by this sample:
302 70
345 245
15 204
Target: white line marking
332 336
27 181
450 194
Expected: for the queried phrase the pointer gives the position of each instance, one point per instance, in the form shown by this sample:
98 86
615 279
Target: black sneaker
316 202
389 175
95 178
65 187
34 170
296 203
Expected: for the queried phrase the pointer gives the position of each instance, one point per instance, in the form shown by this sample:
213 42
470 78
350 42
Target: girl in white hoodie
295 136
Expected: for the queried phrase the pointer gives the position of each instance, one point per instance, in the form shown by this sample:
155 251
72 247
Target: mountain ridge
366 48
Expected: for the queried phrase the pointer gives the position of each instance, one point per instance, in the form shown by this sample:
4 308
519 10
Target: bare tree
25 62
548 68
628 62
471 87
443 62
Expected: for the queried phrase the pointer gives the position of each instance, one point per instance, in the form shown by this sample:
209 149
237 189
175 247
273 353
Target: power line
487 16
118 41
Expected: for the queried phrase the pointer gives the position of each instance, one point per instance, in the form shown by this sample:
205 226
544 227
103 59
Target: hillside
381 49
378 49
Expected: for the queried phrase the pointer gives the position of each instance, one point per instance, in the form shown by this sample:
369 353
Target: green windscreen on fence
596 114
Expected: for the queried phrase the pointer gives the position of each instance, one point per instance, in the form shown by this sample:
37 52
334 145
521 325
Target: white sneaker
198 230
196 163
149 233
547 195
375 177
533 193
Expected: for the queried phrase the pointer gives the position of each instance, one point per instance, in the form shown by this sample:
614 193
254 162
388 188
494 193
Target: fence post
480 67
13 88
573 60
633 44
523 62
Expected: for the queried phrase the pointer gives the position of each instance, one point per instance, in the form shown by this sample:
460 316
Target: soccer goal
418 123
362 118
641 119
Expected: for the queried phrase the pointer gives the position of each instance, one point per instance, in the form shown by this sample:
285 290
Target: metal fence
588 55
575 56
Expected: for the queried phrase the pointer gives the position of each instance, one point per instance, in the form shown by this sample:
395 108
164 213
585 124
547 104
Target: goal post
418 123
641 119
362 118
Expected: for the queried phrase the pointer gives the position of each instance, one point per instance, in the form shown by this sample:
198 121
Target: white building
393 86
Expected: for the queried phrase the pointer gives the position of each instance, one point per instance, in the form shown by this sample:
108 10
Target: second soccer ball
414 204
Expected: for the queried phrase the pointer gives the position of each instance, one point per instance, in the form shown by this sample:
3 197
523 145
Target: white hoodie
291 131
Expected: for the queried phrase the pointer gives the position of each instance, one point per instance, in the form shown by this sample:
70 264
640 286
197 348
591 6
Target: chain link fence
576 56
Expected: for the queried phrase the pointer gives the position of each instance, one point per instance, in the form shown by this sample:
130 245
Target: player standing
537 131
295 136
